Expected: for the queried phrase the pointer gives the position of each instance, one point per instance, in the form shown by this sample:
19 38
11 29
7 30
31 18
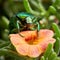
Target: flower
32 43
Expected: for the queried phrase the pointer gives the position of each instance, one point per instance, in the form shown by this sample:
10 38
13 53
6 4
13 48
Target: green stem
28 8
35 4
41 7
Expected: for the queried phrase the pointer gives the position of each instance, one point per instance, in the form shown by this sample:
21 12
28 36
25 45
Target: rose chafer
24 21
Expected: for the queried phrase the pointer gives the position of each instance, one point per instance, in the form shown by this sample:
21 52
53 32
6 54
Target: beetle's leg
38 26
18 27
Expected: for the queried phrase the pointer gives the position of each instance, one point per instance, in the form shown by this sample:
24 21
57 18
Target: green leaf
56 3
57 35
58 58
7 52
4 22
29 9
58 15
35 4
4 44
56 29
42 58
57 46
52 10
52 56
48 50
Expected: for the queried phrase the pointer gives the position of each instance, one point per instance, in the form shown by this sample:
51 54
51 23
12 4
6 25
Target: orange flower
32 44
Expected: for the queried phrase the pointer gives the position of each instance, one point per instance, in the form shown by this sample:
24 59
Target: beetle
24 21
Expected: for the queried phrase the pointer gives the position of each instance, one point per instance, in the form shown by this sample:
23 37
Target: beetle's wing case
12 24
23 15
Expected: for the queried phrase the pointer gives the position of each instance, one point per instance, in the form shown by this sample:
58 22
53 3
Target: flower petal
45 33
45 43
16 39
34 51
22 49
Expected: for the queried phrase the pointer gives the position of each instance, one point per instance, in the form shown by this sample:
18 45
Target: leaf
56 29
34 3
42 58
7 52
52 10
58 58
4 44
57 46
57 35
48 50
52 56
29 9
56 3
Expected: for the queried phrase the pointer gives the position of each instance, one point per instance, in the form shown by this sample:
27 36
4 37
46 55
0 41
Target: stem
35 4
41 6
28 8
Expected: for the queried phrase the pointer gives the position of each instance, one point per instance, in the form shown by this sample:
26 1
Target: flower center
31 40
31 37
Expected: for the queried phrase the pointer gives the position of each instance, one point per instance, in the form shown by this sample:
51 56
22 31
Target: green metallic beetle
24 21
